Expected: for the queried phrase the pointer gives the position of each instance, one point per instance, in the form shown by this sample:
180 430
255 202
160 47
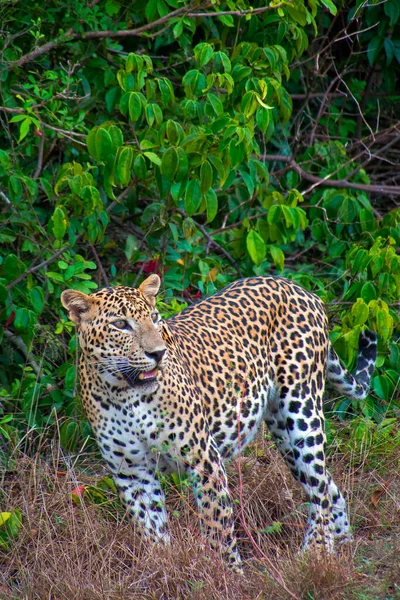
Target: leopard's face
120 334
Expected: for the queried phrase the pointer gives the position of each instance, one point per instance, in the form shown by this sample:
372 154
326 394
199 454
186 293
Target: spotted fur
188 393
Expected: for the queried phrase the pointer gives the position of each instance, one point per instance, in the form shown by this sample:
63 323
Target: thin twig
99 264
37 267
19 343
40 156
217 246
233 225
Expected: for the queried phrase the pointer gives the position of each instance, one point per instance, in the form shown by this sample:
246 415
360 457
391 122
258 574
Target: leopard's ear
78 304
149 288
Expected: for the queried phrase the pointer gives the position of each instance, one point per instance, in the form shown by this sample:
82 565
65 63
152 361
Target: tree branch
40 156
37 267
340 183
19 343
70 36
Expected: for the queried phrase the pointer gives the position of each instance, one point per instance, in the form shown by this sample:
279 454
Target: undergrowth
75 543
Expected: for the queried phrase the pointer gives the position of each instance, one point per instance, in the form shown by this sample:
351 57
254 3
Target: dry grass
69 551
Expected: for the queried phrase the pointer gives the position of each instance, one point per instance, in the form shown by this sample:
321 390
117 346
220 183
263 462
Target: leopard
188 393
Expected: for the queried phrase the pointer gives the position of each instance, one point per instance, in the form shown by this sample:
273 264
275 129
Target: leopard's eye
154 317
121 324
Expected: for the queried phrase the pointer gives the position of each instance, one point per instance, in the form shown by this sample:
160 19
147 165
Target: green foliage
129 154
10 525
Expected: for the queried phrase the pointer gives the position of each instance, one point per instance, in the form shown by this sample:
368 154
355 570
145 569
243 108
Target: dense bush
203 141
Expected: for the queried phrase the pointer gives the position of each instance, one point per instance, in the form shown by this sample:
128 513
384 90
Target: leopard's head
120 333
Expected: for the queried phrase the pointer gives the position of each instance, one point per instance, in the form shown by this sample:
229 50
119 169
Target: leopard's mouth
141 378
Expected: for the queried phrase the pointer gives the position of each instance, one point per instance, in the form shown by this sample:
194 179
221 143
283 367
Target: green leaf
149 112
249 104
212 205
263 118
47 187
384 322
192 197
135 106
221 59
151 9
256 247
178 29
60 223
15 187
100 144
112 98
18 118
368 292
124 165
274 214
131 247
392 10
220 168
287 215
24 128
277 256
117 138
248 181
374 48
174 132
183 165
359 312
24 320
216 104
91 195
330 6
3 293
139 167
389 49
37 299
227 20
381 387
203 53
166 90
91 143
153 158
206 177
169 163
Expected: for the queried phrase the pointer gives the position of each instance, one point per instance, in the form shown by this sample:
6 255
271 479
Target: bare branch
217 246
38 267
40 156
70 36
19 343
340 183
99 265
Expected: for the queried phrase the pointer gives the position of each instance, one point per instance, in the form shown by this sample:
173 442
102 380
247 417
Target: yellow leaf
4 516
213 273
262 103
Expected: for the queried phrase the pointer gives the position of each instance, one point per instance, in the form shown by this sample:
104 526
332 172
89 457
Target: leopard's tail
354 385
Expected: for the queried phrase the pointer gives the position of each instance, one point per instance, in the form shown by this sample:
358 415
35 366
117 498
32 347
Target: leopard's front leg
211 491
143 498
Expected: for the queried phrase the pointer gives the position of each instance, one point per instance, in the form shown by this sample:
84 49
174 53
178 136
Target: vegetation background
205 141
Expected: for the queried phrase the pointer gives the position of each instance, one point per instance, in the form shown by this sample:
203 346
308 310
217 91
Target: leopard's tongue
148 374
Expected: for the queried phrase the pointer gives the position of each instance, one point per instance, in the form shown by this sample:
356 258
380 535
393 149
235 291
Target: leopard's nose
156 355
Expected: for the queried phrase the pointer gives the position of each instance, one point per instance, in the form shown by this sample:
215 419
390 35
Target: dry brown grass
69 551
